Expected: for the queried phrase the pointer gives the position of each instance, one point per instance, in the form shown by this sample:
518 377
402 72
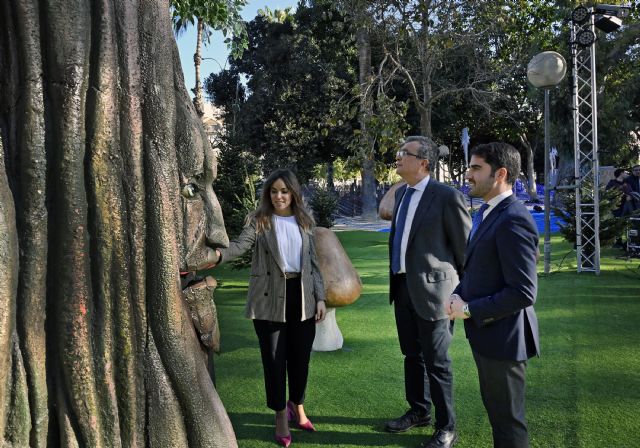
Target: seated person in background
617 183
631 187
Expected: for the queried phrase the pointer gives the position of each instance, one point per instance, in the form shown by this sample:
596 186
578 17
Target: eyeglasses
404 152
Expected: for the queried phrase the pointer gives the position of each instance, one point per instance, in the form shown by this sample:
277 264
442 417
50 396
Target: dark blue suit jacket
633 182
500 284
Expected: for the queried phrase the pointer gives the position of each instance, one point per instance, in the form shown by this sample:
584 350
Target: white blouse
289 241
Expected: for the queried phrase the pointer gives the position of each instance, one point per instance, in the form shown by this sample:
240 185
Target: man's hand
321 311
455 307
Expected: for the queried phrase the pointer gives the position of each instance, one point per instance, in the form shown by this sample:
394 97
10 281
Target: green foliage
234 186
343 170
296 65
245 204
324 204
611 227
386 128
222 15
301 106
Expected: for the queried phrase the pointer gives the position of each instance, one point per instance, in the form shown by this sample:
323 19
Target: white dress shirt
411 211
289 241
495 201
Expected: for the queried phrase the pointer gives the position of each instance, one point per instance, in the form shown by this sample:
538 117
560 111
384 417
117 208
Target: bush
235 188
611 227
324 204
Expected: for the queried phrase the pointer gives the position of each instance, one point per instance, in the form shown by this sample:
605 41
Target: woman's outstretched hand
321 311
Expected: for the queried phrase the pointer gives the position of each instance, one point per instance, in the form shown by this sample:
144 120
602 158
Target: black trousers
285 348
427 367
502 386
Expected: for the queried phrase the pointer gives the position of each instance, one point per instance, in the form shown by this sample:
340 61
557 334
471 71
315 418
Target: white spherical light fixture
546 69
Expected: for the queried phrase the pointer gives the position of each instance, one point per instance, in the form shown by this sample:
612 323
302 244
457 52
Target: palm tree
209 15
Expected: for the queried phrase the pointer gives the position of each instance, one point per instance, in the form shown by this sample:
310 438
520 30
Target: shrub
611 227
324 204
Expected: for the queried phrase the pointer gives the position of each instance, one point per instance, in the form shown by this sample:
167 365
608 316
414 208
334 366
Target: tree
98 137
611 227
380 116
223 15
296 66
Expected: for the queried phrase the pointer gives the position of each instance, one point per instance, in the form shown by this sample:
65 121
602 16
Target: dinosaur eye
190 190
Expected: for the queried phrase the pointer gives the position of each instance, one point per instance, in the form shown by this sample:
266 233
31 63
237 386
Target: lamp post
546 70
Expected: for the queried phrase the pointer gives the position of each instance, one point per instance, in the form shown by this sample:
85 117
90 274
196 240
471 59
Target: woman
286 294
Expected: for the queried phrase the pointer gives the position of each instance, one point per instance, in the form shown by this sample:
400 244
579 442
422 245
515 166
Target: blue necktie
477 219
397 236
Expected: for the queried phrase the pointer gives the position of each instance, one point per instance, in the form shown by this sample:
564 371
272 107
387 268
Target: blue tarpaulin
539 219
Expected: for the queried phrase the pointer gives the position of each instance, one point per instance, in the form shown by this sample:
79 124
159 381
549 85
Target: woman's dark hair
263 213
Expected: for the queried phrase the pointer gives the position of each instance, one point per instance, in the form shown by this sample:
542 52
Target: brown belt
289 275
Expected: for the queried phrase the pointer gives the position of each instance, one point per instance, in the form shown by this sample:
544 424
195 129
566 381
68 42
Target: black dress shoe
410 419
441 439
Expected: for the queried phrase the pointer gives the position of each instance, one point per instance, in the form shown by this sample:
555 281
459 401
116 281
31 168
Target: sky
215 53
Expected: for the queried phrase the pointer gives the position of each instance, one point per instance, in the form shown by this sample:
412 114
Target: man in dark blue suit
497 291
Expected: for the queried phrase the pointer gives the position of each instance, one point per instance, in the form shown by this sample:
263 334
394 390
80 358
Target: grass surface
584 391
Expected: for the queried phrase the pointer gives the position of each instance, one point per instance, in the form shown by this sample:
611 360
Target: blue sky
216 49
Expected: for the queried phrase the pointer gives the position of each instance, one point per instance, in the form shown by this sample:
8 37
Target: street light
546 70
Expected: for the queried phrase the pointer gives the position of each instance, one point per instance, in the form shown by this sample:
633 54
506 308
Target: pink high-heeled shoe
285 441
292 415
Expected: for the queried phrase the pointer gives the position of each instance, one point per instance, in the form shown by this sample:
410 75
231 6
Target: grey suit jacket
267 284
435 251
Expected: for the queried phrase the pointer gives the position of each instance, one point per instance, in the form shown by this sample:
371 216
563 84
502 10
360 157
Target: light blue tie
477 219
397 236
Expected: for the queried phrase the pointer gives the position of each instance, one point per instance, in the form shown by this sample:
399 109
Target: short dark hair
618 172
500 155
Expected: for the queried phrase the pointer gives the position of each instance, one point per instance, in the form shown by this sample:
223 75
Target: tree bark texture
98 138
529 168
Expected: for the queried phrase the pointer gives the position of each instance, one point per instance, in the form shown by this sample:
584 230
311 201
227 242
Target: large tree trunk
425 120
529 168
367 167
98 138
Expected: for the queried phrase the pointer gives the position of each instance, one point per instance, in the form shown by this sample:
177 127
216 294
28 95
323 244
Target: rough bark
529 169
98 139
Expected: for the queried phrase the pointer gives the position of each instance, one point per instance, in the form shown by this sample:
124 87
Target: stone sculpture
342 287
99 138
385 210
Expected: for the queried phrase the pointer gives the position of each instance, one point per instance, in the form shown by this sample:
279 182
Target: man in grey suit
429 231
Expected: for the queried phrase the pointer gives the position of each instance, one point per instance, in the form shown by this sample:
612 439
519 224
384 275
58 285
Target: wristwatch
465 310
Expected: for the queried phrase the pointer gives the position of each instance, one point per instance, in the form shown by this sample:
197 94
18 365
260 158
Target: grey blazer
435 251
267 284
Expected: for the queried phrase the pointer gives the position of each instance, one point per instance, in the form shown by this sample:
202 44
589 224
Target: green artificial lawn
584 390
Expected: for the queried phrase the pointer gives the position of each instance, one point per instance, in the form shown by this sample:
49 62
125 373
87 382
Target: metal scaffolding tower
585 133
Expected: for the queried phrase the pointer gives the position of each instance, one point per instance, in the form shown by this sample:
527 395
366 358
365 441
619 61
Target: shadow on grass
252 427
